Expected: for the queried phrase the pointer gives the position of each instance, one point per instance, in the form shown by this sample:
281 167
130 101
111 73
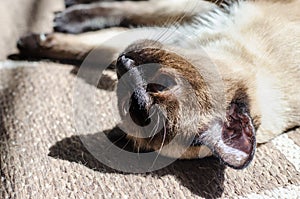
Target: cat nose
124 64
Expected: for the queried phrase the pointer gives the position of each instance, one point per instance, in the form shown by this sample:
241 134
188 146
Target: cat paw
34 44
82 18
69 3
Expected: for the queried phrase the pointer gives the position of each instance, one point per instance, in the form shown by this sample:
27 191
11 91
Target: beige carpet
42 155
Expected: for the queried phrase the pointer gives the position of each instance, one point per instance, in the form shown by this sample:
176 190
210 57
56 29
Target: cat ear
237 143
233 141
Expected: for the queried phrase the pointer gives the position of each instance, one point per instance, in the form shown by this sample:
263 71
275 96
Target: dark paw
32 45
68 22
30 42
69 3
82 18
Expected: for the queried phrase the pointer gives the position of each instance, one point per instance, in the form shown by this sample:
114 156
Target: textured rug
42 155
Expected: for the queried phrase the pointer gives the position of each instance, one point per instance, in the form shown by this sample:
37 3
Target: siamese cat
230 80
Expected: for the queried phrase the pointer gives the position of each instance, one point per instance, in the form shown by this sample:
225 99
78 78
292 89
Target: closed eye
152 87
161 83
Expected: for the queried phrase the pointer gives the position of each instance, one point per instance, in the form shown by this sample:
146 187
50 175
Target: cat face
163 97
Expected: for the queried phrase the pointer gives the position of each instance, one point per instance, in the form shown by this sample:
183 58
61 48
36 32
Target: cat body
241 61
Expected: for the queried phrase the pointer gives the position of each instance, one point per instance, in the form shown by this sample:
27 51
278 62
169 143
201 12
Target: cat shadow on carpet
203 177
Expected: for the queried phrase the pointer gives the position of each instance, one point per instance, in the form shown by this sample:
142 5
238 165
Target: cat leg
67 47
95 16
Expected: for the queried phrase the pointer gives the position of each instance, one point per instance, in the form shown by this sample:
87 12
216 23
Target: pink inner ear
238 136
238 132
233 140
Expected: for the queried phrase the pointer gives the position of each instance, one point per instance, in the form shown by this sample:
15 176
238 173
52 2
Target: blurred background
18 17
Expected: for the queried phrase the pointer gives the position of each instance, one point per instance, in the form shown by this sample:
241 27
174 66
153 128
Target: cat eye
161 83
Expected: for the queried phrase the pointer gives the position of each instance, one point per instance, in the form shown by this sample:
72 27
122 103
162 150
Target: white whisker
161 146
